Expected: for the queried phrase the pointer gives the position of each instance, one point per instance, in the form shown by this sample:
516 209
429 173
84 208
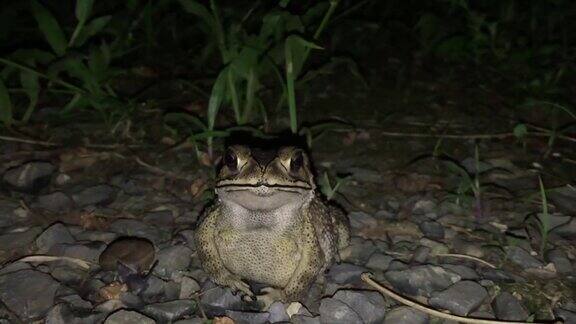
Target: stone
88 251
68 274
55 202
359 251
188 287
13 267
248 317
17 240
560 260
171 259
57 233
421 254
171 310
216 301
369 305
19 291
30 177
464 272
335 311
278 313
65 314
421 280
379 261
406 315
159 218
123 316
460 298
359 220
303 319
133 227
507 307
96 195
11 213
522 258
432 230
567 231
345 273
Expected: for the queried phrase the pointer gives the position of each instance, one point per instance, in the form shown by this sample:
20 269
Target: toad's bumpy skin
268 224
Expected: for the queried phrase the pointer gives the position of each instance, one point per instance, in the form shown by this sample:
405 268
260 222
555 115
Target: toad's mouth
262 197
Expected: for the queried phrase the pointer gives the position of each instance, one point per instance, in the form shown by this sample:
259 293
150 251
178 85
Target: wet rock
216 301
171 259
560 260
507 307
188 287
132 227
125 316
522 258
432 230
170 311
366 175
65 314
421 280
359 220
406 315
359 251
379 261
278 313
105 237
567 231
21 239
335 311
128 185
460 298
435 247
566 315
76 301
68 275
498 275
55 234
424 206
386 215
19 291
89 251
345 273
159 218
464 272
95 195
369 305
158 290
13 267
248 317
55 202
397 265
303 319
11 213
421 254
110 306
564 199
29 177
191 320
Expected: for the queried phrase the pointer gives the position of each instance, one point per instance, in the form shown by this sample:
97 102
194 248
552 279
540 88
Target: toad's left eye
296 162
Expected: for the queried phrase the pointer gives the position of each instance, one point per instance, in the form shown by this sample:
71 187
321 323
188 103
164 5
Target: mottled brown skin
134 252
268 224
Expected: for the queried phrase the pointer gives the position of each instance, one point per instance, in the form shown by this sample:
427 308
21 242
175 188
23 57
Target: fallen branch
367 277
48 258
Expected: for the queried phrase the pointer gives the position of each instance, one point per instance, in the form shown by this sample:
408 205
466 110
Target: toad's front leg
210 257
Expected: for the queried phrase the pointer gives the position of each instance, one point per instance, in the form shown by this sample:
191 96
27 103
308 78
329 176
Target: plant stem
290 86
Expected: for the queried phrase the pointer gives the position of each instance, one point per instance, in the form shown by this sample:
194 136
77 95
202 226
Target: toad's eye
296 162
231 160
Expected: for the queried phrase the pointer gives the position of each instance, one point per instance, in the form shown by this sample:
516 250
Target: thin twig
367 277
464 256
48 258
158 171
53 144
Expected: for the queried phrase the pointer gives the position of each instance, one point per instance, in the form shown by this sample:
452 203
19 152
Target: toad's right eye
231 160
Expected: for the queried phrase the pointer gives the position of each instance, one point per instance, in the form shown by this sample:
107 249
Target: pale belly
259 255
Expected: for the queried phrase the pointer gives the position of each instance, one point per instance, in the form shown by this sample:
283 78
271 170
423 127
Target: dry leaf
113 290
205 159
80 158
90 221
223 320
198 186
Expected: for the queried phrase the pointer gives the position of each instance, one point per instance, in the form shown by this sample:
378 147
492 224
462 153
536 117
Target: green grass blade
544 219
83 9
50 28
291 95
5 105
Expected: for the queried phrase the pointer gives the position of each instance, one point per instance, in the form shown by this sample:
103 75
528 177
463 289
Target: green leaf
94 27
31 86
83 9
183 117
50 28
520 131
216 98
5 105
199 10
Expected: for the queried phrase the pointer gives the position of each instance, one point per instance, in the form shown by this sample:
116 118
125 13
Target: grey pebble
507 307
369 305
421 280
96 195
336 312
55 234
128 317
460 298
29 177
406 315
19 291
171 310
